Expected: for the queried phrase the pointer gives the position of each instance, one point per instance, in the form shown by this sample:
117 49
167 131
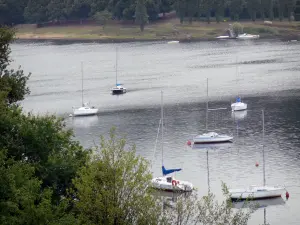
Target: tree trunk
254 16
181 19
208 16
142 26
271 11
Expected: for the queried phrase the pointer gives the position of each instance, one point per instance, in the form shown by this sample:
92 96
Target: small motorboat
173 42
247 36
211 137
238 105
256 192
118 89
85 110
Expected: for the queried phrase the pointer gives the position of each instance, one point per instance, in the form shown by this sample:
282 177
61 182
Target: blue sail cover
238 99
166 172
118 84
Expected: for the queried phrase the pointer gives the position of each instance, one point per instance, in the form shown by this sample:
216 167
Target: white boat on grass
118 89
246 36
210 137
258 191
85 109
167 182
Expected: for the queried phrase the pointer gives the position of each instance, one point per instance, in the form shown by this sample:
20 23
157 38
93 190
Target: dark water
269 79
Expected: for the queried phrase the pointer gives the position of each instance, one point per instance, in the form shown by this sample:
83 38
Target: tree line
38 11
48 178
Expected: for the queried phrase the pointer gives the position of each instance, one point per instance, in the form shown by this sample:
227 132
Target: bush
237 28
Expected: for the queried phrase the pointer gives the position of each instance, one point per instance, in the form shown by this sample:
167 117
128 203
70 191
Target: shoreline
131 40
165 31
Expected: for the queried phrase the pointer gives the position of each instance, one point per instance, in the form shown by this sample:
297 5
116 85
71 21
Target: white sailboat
238 105
210 137
258 191
167 182
118 89
85 109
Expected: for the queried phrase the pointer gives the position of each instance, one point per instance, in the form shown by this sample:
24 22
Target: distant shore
165 31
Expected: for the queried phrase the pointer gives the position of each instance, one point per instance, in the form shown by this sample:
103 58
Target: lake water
268 79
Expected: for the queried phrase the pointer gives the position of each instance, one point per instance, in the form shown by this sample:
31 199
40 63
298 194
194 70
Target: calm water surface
268 79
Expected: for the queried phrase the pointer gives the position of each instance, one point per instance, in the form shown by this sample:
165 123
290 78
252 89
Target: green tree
36 11
236 7
290 4
181 7
281 8
56 10
12 83
219 6
113 187
102 17
208 211
253 7
21 198
141 16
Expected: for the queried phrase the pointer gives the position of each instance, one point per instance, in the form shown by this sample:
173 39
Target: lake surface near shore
269 79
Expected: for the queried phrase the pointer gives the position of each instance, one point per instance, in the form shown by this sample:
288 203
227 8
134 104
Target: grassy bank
166 30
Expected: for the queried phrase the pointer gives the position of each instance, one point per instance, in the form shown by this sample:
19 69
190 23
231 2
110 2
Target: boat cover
166 172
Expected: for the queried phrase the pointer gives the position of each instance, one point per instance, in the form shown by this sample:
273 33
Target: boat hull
256 193
118 92
205 139
238 106
85 112
160 183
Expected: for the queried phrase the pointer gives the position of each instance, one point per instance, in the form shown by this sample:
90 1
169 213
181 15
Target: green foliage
102 17
141 16
43 142
113 187
237 28
236 7
21 198
12 83
261 30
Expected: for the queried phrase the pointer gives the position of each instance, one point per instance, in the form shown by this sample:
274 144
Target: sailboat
238 105
118 89
85 109
210 137
255 191
167 182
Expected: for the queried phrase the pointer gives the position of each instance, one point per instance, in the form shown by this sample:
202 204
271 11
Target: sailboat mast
82 83
208 186
116 66
264 168
206 104
162 129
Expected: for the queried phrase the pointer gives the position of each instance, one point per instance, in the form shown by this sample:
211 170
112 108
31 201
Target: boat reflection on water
169 199
218 146
263 203
239 115
84 122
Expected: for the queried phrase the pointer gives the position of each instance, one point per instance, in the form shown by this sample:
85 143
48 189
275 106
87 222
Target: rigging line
155 143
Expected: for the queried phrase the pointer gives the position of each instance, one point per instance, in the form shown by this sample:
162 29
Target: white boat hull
238 106
169 184
256 192
84 111
118 90
247 36
211 138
